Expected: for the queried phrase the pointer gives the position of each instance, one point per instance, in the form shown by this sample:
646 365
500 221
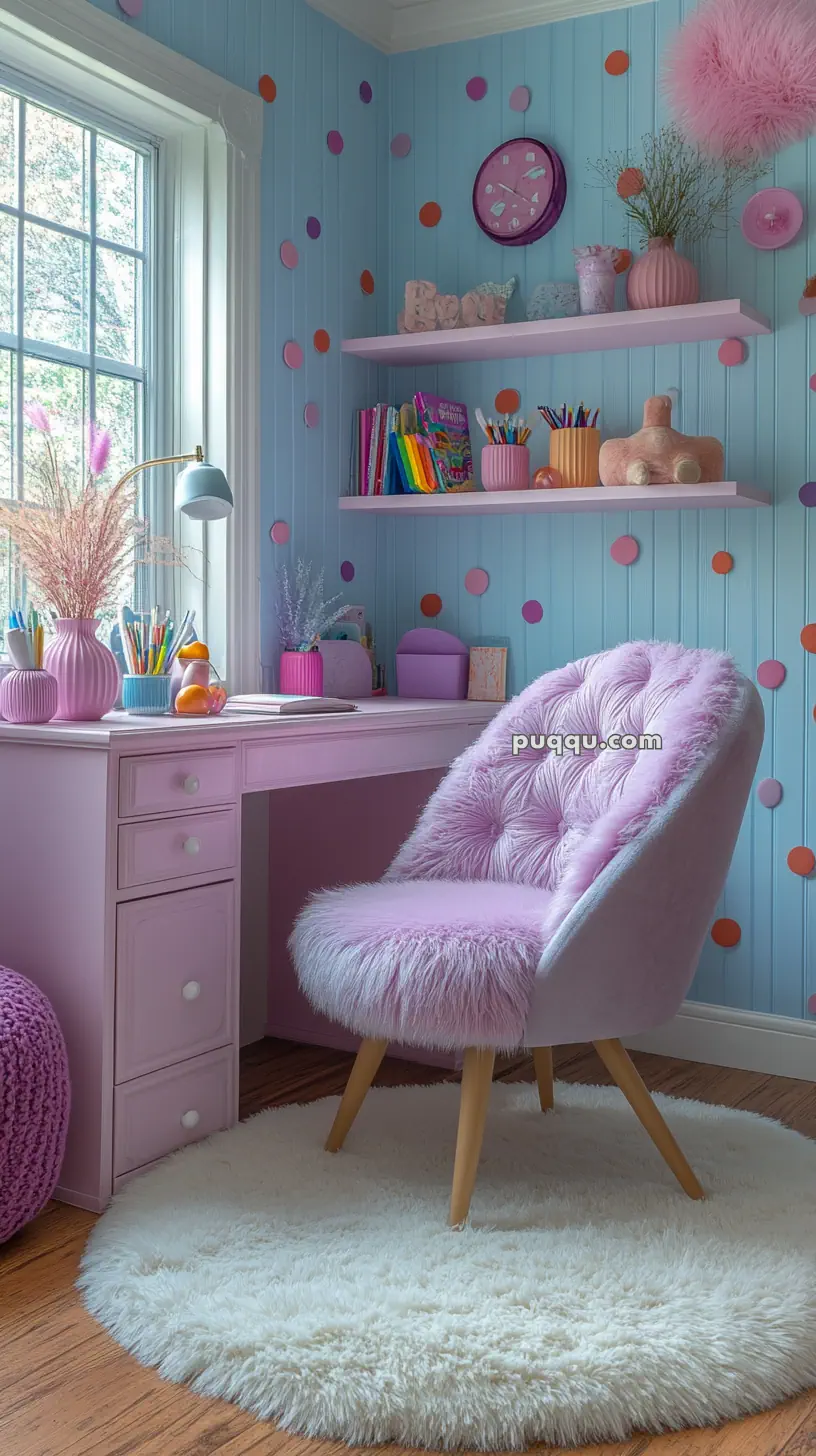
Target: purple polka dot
313 228
292 354
807 493
335 143
366 92
400 144
476 88
476 581
532 611
347 570
289 255
812 1005
280 533
311 416
813 381
769 793
771 673
131 7
519 98
625 550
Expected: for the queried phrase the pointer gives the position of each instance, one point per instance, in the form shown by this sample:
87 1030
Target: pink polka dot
131 7
289 255
731 352
292 354
311 416
280 533
771 673
335 143
476 581
813 381
313 228
812 1005
347 570
519 98
769 793
476 88
532 611
625 550
400 144
366 92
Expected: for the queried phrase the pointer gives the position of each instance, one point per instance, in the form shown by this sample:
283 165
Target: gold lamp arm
197 455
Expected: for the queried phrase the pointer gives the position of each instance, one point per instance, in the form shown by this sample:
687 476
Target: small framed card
488 674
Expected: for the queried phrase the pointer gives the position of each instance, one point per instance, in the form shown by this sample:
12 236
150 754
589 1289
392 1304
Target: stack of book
423 447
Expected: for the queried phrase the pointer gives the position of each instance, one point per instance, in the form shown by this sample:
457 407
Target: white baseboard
779 1045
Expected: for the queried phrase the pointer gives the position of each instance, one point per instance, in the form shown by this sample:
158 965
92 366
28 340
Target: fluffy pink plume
99 444
740 75
37 417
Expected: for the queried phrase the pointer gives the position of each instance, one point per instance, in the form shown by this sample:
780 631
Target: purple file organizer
431 664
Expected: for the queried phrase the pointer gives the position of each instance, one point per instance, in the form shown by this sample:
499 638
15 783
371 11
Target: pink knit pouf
34 1101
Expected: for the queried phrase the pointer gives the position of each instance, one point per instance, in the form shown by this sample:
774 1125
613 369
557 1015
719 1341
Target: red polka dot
367 281
430 214
616 63
731 352
801 860
726 933
807 637
624 260
267 88
625 550
630 182
431 605
322 341
508 402
722 562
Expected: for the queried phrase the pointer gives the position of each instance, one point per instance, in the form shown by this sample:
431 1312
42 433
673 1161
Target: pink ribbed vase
662 277
28 695
85 669
301 673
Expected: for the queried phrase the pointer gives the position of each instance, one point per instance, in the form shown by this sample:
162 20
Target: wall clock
519 192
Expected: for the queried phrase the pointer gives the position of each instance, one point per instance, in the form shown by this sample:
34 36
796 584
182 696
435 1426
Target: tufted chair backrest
520 811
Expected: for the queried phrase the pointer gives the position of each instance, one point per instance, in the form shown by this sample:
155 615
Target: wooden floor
66 1389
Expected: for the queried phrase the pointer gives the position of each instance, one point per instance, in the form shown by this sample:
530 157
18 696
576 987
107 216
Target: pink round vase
28 695
85 669
662 277
301 673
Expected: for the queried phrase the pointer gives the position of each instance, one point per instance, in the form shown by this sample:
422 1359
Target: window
75 294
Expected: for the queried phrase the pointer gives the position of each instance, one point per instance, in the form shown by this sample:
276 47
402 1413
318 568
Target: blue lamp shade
202 492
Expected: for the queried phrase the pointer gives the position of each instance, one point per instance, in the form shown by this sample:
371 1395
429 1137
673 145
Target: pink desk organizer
505 467
432 664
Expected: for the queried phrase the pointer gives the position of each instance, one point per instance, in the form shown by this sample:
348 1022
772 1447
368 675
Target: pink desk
120 885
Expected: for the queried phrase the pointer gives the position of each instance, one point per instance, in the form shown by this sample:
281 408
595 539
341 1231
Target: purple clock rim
552 211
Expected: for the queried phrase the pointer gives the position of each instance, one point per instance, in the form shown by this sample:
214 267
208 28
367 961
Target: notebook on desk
278 704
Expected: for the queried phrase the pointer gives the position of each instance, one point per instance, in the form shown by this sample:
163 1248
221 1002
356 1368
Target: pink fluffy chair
548 897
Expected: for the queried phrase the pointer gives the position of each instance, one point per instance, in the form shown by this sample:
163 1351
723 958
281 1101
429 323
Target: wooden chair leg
543 1063
477 1075
618 1062
362 1075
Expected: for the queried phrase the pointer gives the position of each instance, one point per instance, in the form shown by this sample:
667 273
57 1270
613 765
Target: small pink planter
28 696
301 672
505 467
662 277
85 669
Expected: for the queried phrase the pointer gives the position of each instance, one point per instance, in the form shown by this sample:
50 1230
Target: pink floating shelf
690 323
724 495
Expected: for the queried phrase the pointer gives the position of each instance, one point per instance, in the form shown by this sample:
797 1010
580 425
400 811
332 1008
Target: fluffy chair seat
34 1101
443 964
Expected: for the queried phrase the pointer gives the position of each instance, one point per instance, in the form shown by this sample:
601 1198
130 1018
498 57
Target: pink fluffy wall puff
741 75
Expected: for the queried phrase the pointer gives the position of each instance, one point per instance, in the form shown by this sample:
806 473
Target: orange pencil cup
576 455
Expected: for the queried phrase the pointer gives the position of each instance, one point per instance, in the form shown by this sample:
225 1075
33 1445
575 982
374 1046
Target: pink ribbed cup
85 669
505 467
662 278
28 695
301 672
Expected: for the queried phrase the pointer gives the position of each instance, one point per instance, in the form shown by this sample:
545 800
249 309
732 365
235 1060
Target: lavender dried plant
303 615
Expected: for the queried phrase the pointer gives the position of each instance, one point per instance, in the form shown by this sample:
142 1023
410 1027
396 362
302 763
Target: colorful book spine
445 422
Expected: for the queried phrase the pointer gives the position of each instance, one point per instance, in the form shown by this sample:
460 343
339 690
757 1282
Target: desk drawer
175 978
161 782
169 849
157 1114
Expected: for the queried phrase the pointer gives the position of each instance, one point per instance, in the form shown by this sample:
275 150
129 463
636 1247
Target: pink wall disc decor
771 673
519 98
292 354
732 351
279 533
400 144
772 218
288 255
311 416
476 581
131 7
625 550
335 143
769 793
313 228
532 611
476 88
347 570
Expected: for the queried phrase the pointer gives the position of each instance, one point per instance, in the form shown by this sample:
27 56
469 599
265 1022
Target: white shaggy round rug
588 1297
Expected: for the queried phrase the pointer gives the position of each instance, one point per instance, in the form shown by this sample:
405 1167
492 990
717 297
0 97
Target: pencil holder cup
505 467
575 454
146 693
28 695
301 673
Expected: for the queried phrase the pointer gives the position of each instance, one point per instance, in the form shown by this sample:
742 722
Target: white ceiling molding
410 25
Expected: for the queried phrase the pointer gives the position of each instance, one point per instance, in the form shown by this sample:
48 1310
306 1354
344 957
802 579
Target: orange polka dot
726 933
722 562
508 402
367 281
431 605
267 88
801 860
429 214
616 63
630 182
322 342
624 260
807 637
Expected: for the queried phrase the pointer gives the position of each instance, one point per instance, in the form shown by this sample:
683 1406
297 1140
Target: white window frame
207 230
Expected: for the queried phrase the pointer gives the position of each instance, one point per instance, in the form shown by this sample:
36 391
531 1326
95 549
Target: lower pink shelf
723 495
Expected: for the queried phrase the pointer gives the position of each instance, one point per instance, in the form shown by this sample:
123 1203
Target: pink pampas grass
740 75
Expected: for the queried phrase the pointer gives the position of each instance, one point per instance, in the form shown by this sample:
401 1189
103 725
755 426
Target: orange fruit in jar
194 652
194 700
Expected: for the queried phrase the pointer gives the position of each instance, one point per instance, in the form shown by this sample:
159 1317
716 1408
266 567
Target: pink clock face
519 191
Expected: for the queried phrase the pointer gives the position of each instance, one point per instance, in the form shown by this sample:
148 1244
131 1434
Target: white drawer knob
192 845
191 784
190 1119
191 990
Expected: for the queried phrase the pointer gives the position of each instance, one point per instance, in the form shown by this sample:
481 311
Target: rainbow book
445 423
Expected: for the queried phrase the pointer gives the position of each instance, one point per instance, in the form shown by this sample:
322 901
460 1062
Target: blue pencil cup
143 693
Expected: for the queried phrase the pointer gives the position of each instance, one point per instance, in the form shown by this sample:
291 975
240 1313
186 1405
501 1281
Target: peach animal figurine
659 455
